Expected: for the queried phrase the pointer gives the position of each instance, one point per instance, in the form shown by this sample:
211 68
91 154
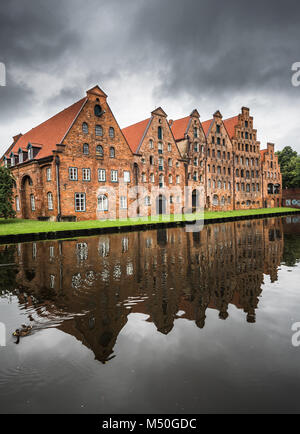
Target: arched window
160 148
161 181
102 203
111 132
215 200
159 133
152 178
160 163
86 149
32 202
151 160
170 162
85 128
112 153
223 201
170 179
151 144
99 130
99 151
50 201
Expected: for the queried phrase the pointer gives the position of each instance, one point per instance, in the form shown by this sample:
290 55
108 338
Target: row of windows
247 161
103 202
161 178
246 147
99 150
219 170
241 187
219 184
219 154
32 202
272 175
246 174
86 175
160 146
98 130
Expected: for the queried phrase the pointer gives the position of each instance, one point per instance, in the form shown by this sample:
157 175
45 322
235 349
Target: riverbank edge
65 234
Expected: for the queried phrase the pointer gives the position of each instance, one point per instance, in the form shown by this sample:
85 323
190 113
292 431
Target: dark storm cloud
206 50
213 46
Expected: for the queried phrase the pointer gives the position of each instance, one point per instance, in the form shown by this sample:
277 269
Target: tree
6 193
289 162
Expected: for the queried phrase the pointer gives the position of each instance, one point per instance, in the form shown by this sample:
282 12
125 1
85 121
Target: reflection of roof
50 133
134 134
179 127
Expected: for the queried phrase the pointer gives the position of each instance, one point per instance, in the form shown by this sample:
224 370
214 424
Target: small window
170 179
151 144
73 173
151 159
160 148
86 174
111 132
102 203
218 129
159 133
123 202
114 176
32 202
20 156
177 179
152 178
79 202
50 201
147 201
169 147
30 152
17 203
98 110
101 175
112 153
170 163
48 173
86 149
126 176
195 132
98 131
99 151
85 128
12 161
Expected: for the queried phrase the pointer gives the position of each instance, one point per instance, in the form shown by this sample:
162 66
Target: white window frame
101 175
102 205
48 174
123 202
114 175
50 201
81 198
126 176
73 173
86 175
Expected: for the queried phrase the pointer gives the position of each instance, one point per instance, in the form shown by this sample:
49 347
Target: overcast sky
178 54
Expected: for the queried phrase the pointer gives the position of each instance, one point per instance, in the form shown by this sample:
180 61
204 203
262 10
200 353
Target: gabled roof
50 133
230 125
179 127
206 126
135 133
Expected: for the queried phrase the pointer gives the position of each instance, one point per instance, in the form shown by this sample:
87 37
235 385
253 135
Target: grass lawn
18 226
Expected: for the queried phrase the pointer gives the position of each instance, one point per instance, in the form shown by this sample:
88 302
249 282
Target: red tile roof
206 125
179 127
50 133
134 134
230 124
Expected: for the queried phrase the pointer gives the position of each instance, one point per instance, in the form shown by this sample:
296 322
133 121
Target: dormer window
5 162
20 156
30 152
85 128
13 160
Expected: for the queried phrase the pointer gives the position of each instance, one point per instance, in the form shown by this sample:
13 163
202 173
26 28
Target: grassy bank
17 226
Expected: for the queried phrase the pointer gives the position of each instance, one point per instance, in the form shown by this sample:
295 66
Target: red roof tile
230 124
50 133
179 127
134 134
206 125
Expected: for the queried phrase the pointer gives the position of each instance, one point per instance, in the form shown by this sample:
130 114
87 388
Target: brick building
271 178
80 165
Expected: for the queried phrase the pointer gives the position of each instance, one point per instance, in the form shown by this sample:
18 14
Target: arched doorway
26 183
161 205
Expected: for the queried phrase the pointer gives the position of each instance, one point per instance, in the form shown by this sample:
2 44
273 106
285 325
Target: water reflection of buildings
100 280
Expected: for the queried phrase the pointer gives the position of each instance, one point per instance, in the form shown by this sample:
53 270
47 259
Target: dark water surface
154 322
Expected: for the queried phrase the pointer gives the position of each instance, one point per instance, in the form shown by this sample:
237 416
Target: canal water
159 321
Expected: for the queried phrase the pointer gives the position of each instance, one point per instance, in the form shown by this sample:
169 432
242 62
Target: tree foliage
6 193
289 162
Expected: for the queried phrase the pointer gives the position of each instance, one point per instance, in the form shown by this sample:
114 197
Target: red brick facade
80 165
